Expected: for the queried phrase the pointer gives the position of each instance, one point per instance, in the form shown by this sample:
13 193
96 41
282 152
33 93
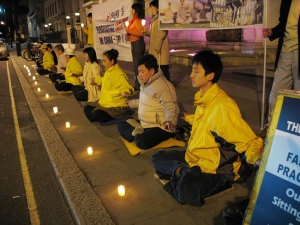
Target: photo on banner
109 28
214 14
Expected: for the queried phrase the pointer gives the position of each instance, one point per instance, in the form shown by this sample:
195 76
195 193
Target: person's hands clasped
169 126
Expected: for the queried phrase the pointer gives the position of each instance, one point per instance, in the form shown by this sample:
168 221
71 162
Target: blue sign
278 201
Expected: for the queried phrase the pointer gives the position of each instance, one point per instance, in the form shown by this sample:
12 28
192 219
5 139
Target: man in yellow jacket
48 62
72 73
89 31
220 140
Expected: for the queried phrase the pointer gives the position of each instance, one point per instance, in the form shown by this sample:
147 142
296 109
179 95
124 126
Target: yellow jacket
90 34
73 67
48 61
217 117
114 84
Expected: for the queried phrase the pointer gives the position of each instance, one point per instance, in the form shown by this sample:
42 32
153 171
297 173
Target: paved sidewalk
90 182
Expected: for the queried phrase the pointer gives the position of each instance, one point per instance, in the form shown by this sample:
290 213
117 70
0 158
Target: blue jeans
191 187
166 162
137 51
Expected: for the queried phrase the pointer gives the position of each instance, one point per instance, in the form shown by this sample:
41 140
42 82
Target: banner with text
203 14
109 28
278 197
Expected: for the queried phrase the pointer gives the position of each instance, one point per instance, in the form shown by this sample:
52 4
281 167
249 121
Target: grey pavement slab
90 182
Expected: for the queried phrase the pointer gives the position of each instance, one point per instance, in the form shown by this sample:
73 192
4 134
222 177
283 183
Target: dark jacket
278 31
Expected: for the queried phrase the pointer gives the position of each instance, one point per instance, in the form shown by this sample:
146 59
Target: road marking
33 212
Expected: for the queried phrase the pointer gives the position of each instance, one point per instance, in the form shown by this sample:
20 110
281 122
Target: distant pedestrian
159 41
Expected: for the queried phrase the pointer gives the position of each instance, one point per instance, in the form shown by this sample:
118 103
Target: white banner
109 28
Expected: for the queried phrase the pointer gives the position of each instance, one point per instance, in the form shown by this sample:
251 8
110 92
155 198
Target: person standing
159 41
136 38
89 31
287 57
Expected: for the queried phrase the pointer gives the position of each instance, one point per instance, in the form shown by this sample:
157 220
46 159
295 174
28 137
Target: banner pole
265 67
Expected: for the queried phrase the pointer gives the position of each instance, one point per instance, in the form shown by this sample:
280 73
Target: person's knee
142 144
156 156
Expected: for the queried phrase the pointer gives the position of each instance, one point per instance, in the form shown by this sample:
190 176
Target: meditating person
72 73
61 64
157 107
219 139
47 65
115 89
89 91
168 18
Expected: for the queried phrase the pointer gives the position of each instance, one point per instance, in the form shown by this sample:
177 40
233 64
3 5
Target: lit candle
29 74
33 77
90 151
82 25
39 89
55 109
121 190
28 70
68 125
47 95
35 82
126 23
25 66
143 22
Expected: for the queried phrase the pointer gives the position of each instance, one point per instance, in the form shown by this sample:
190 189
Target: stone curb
85 206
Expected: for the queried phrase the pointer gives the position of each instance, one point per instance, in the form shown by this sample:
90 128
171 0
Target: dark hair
112 55
91 53
154 3
60 47
211 63
139 10
149 61
90 15
49 46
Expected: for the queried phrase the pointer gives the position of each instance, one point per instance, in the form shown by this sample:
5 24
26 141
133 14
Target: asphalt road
24 163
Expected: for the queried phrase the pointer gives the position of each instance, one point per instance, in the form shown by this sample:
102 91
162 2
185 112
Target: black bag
183 132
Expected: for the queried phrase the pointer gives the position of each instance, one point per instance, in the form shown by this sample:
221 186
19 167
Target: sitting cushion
111 122
134 150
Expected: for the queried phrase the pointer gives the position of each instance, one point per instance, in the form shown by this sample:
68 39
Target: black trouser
137 51
63 86
80 93
54 76
42 71
150 138
95 114
165 70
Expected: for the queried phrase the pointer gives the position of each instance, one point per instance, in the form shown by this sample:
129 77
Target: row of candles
121 188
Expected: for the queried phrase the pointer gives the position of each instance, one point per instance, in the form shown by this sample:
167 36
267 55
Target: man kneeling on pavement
157 107
219 139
